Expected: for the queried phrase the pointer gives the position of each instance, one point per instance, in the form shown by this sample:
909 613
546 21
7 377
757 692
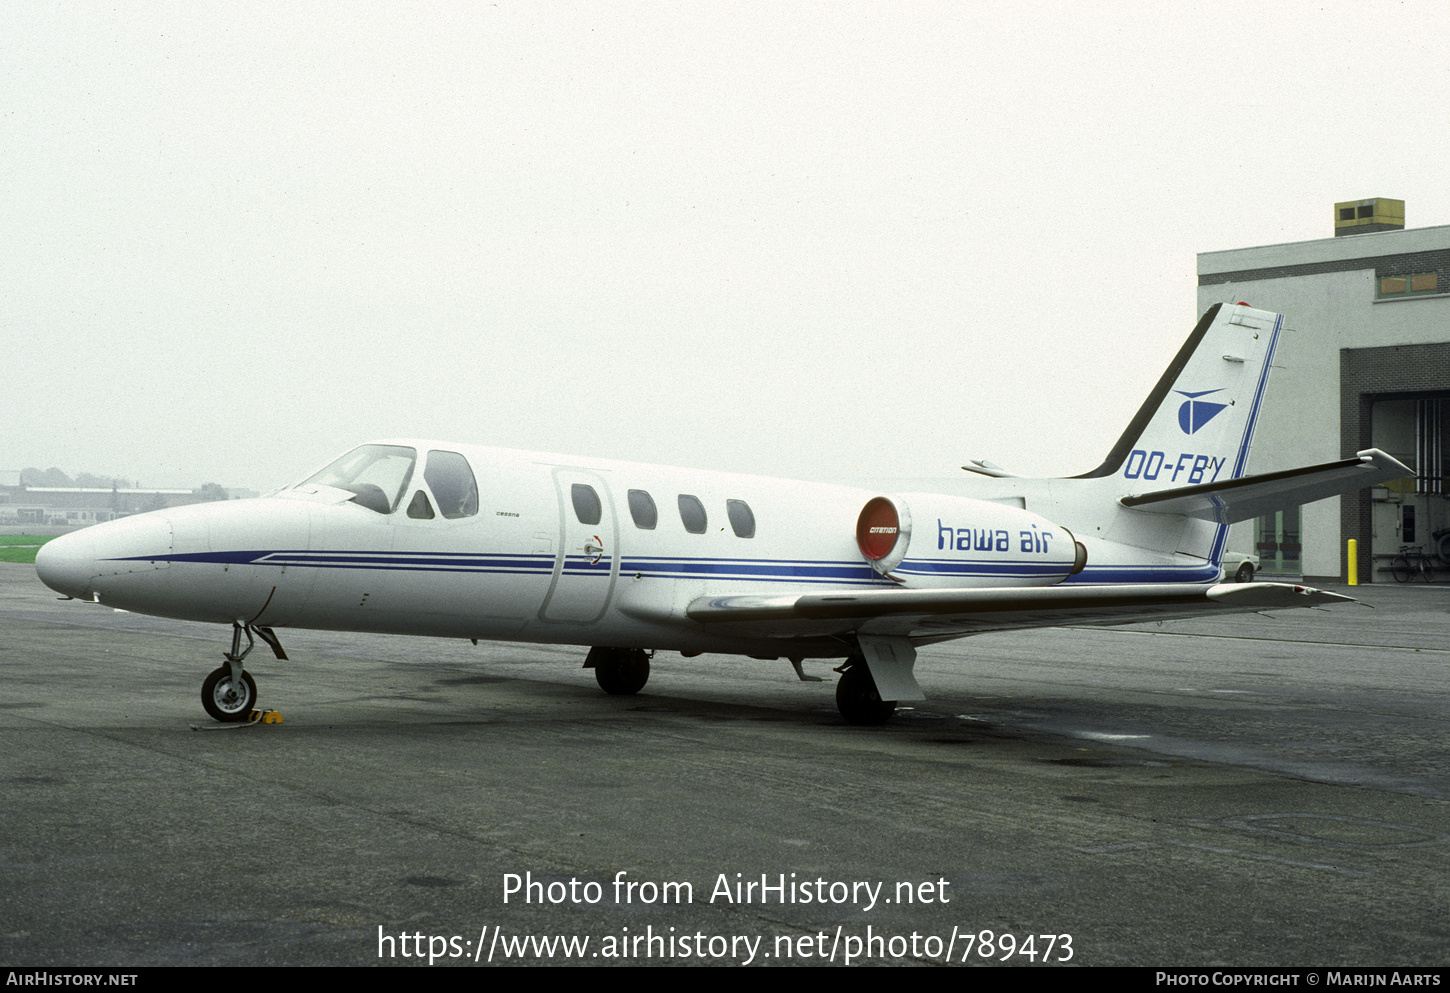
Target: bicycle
1411 561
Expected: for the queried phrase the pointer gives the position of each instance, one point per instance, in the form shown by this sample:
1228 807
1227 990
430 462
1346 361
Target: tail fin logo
1195 413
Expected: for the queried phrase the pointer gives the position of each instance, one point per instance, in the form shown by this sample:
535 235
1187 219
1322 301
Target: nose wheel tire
226 701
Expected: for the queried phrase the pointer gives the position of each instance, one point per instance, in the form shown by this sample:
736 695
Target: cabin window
586 503
452 483
376 475
742 521
420 509
642 509
692 513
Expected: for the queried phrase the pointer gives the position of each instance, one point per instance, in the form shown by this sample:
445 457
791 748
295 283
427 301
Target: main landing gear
856 695
619 671
229 693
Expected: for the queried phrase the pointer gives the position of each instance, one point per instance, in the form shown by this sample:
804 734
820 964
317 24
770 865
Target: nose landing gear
227 698
229 693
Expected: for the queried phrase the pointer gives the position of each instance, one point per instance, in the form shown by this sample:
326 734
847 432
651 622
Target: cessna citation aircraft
436 538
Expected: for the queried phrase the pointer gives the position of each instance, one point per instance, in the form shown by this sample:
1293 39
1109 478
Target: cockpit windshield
377 474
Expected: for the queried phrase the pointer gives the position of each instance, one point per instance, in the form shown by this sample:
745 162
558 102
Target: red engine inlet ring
877 529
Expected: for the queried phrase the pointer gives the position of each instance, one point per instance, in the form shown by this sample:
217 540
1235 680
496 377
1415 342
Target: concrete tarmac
1242 791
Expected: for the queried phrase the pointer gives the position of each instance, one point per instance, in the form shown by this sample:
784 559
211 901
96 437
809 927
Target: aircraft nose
68 564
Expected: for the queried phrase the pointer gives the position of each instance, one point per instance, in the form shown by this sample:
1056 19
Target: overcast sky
786 238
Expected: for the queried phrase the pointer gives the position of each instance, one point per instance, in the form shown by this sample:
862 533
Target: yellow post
1353 562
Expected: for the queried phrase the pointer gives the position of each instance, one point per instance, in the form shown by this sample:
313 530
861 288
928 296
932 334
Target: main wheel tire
858 701
1245 573
225 703
620 671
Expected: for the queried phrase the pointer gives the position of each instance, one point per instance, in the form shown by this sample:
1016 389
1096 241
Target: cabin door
587 563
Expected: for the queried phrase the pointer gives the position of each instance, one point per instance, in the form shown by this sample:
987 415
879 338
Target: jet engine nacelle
929 540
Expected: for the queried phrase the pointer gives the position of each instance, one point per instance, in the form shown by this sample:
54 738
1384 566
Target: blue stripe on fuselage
786 571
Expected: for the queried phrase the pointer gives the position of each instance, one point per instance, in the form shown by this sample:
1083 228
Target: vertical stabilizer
1197 424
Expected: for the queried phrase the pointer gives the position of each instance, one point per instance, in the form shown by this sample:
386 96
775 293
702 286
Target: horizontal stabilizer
1254 496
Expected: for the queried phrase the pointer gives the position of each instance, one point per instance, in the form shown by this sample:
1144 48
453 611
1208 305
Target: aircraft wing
932 615
1253 496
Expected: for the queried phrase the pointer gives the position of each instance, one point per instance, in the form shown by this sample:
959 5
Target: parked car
1241 566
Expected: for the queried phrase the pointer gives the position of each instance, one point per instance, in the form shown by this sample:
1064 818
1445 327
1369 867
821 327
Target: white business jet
435 538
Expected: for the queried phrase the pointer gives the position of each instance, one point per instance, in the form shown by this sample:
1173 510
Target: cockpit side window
452 483
376 475
420 509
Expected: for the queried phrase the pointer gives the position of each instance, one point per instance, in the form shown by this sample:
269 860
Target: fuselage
474 542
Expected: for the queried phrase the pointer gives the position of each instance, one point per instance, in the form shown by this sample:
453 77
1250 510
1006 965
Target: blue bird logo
1195 413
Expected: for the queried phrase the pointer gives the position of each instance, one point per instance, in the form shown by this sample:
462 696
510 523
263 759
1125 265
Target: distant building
1364 363
77 505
